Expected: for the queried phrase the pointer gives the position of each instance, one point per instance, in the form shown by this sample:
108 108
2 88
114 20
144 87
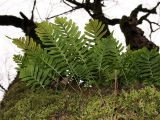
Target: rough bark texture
134 36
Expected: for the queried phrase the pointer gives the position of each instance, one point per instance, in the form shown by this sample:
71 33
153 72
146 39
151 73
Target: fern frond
20 60
108 57
113 53
34 62
35 76
94 31
68 45
45 31
27 45
148 63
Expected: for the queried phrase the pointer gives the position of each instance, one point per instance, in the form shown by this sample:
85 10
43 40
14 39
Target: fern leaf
35 76
108 57
45 32
94 30
147 63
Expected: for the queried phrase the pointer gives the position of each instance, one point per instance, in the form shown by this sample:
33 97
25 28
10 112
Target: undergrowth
22 103
69 57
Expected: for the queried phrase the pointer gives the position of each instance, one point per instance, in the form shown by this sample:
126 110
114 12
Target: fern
147 63
19 60
105 54
130 74
75 54
60 50
94 30
31 66
88 57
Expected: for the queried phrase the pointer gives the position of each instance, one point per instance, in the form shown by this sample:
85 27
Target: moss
22 103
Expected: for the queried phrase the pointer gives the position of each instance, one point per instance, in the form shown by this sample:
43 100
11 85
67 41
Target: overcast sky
47 8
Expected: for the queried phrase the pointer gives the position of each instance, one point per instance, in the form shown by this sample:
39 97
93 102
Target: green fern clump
148 66
68 53
142 66
89 57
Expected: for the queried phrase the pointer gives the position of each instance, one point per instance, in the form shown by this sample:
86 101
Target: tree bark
134 35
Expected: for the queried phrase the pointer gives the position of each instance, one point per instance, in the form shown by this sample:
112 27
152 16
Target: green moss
22 103
135 105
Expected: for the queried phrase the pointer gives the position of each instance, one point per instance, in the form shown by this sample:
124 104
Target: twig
67 3
75 8
151 28
38 14
148 11
32 17
2 88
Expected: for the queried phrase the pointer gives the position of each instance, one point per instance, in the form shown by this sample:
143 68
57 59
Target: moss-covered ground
23 103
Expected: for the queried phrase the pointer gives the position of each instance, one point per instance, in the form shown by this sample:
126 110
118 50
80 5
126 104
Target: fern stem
125 77
115 83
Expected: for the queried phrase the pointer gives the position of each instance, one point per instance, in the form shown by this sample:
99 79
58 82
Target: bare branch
113 21
67 3
74 2
89 12
151 27
3 88
149 11
32 17
23 16
75 8
143 18
38 14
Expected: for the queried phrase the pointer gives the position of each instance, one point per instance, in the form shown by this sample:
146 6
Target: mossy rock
23 103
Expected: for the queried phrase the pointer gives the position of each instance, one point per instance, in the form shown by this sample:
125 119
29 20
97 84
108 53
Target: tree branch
25 24
148 11
113 21
151 27
3 88
96 8
145 17
34 4
139 8
74 2
75 8
6 20
67 3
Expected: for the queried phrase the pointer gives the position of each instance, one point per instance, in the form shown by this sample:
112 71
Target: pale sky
46 8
